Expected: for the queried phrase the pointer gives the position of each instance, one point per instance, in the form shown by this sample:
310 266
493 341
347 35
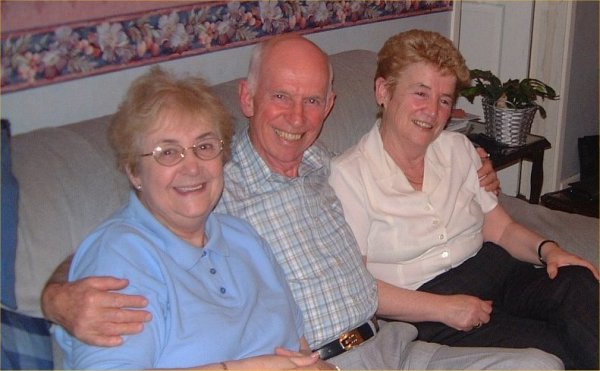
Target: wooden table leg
537 176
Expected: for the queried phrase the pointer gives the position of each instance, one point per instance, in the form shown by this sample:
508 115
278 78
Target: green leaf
518 93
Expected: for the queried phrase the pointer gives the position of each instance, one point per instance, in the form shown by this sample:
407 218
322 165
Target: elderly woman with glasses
217 297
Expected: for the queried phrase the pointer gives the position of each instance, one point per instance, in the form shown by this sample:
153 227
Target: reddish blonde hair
154 92
418 46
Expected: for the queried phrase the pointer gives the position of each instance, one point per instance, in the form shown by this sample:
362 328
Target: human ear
381 91
134 179
330 101
246 98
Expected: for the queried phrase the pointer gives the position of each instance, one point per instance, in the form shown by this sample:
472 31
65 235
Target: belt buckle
351 339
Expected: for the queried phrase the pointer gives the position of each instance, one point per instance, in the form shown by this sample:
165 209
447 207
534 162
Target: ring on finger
477 325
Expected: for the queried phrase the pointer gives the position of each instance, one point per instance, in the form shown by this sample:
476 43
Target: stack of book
459 120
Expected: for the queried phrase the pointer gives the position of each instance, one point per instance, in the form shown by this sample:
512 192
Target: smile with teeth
191 188
422 124
287 136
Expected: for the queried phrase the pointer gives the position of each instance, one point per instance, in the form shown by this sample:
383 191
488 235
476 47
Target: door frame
549 60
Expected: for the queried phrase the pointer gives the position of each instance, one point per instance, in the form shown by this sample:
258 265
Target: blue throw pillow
26 343
10 208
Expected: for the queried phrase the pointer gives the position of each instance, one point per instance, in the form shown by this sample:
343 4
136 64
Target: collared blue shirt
303 221
228 300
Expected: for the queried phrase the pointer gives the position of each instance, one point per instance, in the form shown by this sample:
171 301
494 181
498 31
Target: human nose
296 113
432 107
190 162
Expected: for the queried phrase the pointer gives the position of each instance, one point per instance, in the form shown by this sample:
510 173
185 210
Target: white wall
500 44
86 98
550 62
564 54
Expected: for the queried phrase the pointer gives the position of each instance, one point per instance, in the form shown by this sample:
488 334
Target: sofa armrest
576 233
68 184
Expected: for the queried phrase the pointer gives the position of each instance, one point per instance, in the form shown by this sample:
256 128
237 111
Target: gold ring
478 325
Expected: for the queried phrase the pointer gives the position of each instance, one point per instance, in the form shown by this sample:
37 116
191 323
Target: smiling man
286 106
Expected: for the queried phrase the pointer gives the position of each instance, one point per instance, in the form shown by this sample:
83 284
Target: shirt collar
256 170
182 252
386 169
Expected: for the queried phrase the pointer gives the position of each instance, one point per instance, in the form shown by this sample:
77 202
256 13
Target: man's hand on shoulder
92 312
488 179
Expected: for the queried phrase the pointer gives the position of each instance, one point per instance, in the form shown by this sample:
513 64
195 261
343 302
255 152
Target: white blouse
410 236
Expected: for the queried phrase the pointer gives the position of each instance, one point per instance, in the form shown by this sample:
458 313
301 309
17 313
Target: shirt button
223 290
441 237
445 254
213 271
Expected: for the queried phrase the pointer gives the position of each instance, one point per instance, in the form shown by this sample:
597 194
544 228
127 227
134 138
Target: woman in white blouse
437 240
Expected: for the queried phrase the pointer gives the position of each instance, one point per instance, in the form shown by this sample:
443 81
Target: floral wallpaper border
40 57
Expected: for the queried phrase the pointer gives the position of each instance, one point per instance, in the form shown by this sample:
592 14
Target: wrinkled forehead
297 56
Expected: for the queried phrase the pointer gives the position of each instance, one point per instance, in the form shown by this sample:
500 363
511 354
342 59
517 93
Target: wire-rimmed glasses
170 154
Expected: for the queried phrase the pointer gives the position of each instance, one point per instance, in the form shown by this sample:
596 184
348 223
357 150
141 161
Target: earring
138 187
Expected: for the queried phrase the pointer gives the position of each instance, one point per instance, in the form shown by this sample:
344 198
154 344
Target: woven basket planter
508 126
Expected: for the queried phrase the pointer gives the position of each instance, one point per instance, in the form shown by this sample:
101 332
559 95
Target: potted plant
508 107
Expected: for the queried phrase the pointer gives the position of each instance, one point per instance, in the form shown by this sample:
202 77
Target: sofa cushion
26 343
68 185
355 108
576 233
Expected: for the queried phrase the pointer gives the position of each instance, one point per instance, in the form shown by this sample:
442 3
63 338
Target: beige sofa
69 183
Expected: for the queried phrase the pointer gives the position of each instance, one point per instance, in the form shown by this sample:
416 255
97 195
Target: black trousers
559 316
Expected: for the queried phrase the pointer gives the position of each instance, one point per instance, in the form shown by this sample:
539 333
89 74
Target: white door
495 36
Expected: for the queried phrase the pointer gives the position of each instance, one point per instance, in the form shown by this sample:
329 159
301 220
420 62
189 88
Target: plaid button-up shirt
303 221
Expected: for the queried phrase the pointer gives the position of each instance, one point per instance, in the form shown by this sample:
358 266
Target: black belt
349 340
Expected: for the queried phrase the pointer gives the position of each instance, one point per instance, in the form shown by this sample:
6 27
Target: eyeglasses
170 154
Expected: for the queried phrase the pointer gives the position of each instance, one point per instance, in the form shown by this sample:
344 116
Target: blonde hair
418 46
149 95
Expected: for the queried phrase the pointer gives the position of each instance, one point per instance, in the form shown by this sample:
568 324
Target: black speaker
588 156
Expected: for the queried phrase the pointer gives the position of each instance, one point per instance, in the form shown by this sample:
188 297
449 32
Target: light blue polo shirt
226 301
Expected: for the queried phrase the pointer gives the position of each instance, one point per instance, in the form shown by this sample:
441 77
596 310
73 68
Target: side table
503 155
